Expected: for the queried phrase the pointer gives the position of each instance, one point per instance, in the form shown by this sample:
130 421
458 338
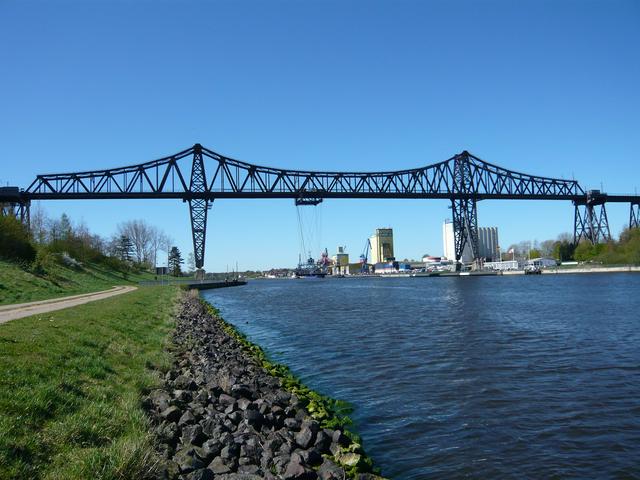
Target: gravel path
19 310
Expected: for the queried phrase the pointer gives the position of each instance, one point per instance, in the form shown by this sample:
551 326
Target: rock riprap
221 415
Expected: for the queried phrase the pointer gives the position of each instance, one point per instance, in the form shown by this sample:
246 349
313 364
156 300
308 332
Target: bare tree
81 232
565 237
166 242
191 262
140 234
547 247
39 223
112 246
156 244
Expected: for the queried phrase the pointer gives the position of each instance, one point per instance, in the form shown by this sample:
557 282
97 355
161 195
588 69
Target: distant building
382 246
505 265
542 262
487 244
341 261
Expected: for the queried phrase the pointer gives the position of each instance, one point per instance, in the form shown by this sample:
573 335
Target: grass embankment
18 285
71 383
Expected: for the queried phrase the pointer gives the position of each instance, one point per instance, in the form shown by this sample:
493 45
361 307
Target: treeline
623 251
136 245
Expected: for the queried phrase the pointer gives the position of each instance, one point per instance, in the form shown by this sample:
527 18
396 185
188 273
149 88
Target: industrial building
341 262
382 246
487 244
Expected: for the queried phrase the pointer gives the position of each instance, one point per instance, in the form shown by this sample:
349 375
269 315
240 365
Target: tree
140 234
165 244
535 253
175 260
39 223
66 231
191 262
563 249
585 251
124 248
14 240
546 248
155 244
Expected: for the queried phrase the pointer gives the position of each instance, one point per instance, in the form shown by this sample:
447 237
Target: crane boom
364 258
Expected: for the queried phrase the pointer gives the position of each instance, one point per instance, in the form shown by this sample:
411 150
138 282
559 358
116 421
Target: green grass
18 285
71 382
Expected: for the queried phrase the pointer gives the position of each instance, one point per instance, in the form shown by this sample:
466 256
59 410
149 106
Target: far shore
545 271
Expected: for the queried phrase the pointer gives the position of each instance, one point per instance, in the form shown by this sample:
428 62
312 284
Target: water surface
485 377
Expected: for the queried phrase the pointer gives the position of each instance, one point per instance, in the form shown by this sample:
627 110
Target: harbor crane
364 258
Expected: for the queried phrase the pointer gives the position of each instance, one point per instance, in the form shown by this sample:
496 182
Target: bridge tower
590 220
198 207
634 215
463 208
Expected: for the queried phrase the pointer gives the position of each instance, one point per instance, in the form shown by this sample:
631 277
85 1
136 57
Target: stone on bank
221 415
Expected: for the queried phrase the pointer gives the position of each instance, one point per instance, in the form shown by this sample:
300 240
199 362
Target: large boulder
171 414
330 471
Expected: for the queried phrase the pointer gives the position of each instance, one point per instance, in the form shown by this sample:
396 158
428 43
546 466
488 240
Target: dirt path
19 310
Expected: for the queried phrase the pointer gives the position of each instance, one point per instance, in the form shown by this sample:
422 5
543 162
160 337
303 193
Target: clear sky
543 87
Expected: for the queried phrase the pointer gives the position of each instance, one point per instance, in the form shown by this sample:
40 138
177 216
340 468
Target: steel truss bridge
198 176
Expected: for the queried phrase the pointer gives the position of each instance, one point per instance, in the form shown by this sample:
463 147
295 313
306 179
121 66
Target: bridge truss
198 176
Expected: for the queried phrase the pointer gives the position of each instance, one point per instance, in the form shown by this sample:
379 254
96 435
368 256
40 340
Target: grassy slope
18 285
71 383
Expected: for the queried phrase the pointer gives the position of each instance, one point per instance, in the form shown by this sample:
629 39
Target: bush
44 262
14 241
624 251
69 261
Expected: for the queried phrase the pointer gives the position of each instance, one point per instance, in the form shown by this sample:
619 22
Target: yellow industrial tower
382 245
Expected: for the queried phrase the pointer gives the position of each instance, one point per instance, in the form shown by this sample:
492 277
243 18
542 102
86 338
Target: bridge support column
634 215
465 228
591 223
19 210
463 208
198 208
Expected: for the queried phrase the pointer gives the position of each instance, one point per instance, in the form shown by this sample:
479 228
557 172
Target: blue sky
544 87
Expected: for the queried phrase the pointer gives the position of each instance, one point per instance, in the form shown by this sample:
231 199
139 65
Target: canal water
471 377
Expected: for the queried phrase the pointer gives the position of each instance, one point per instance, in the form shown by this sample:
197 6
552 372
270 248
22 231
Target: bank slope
19 285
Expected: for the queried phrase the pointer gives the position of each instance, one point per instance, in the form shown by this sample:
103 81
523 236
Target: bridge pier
463 208
198 211
465 228
198 207
590 219
634 215
20 210
14 204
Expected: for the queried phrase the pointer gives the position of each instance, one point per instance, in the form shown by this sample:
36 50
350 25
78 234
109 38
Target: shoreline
481 273
225 411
